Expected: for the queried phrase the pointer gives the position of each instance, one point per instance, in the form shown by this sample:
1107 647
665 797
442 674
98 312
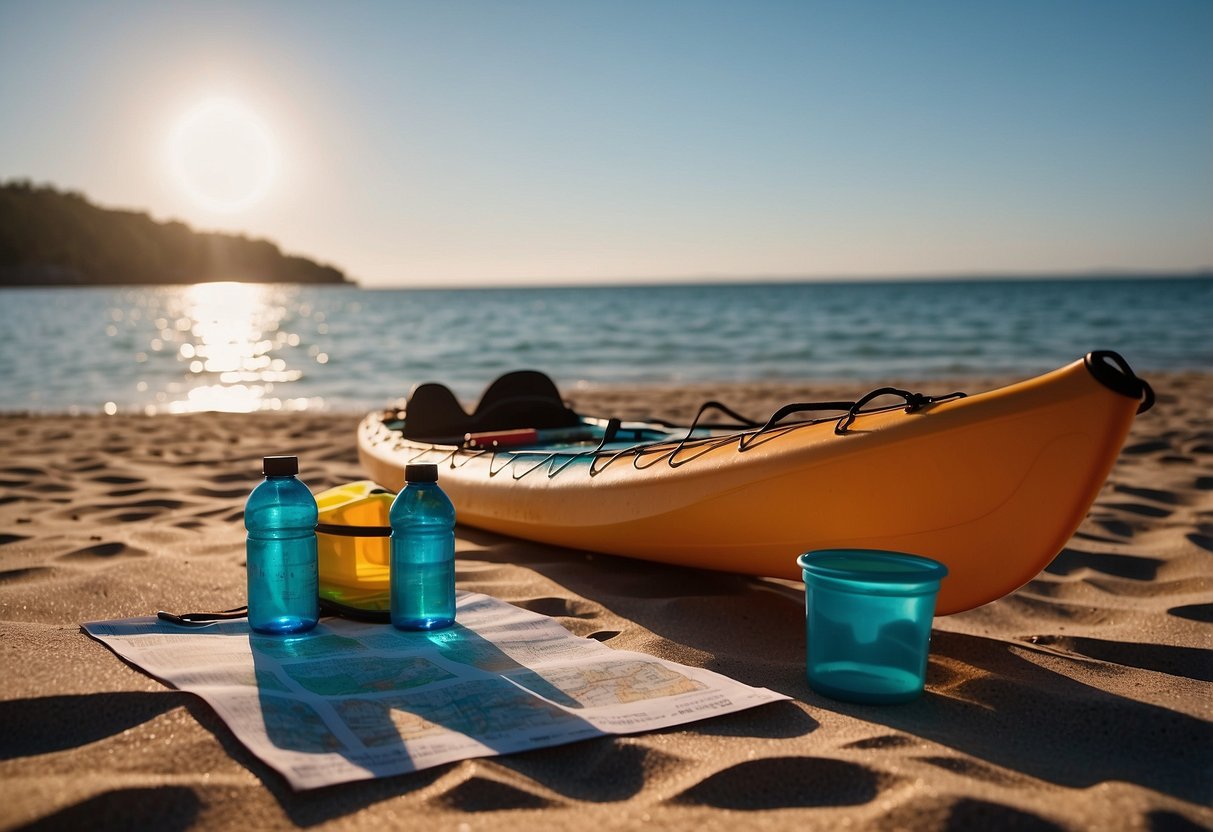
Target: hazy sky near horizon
448 143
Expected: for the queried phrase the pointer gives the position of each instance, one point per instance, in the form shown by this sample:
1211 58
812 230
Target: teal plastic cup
868 622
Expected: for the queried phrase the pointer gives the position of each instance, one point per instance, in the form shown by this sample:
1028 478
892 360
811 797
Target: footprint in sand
1149 447
482 794
560 607
1057 611
884 741
12 576
125 512
102 552
1128 588
37 483
970 813
22 471
116 479
1204 541
1194 612
127 492
88 465
1119 528
972 768
211 512
220 493
158 503
1187 662
1154 494
783 779
1141 509
603 635
1122 566
236 476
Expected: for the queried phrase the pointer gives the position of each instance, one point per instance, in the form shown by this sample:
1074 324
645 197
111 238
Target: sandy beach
1082 701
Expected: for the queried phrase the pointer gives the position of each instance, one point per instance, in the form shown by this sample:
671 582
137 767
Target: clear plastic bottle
283 578
422 573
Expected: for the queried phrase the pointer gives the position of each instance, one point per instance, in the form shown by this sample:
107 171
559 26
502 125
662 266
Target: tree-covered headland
50 237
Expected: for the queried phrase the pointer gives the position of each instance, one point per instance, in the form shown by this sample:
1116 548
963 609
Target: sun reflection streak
225 336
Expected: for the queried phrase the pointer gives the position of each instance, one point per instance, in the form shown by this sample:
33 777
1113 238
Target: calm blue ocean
241 347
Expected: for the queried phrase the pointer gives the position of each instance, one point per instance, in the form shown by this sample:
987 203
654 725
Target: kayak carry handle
1112 371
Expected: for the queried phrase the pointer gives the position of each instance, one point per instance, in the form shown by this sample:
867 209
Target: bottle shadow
391 702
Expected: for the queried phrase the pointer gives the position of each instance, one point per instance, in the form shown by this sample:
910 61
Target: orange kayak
992 484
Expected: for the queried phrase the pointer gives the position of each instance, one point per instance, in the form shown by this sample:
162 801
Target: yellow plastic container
352 538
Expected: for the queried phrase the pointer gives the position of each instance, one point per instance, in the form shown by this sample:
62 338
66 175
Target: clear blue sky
445 143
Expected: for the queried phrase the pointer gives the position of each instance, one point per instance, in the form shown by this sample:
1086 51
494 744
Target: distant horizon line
1201 273
704 280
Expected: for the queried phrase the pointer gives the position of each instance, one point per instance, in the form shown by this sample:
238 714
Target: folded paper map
352 701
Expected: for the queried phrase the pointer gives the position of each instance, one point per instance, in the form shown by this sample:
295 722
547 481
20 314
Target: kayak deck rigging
666 440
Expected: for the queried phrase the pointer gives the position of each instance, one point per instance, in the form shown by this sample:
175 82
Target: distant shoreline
349 284
58 238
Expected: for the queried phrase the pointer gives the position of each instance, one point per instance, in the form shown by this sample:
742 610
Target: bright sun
223 155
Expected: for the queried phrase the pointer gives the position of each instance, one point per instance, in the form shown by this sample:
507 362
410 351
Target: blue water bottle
422 572
283 578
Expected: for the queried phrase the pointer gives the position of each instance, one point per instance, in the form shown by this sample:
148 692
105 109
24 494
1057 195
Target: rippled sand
1081 701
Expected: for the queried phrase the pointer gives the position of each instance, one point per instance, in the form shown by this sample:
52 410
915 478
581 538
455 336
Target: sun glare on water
228 347
223 156
232 334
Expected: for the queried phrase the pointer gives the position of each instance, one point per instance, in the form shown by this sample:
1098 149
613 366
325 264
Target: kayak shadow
991 700
750 629
988 698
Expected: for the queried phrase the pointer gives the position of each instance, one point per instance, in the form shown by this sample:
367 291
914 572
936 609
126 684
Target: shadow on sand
996 705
